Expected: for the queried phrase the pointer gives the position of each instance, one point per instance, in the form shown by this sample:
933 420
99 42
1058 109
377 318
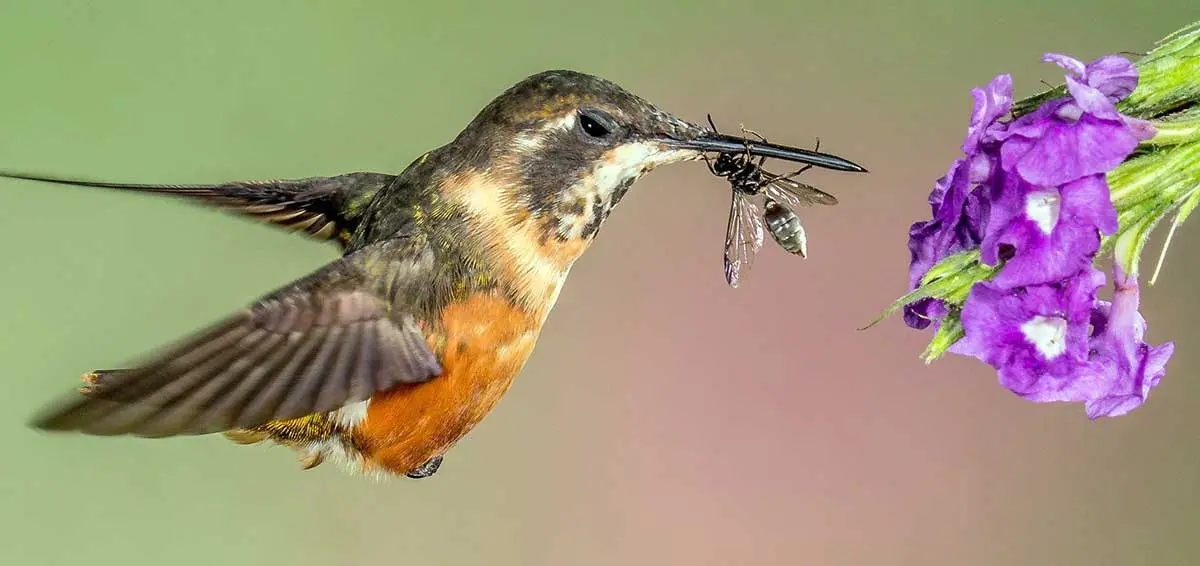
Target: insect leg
714 126
750 158
753 133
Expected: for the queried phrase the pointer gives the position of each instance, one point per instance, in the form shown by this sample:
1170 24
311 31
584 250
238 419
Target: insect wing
794 194
743 238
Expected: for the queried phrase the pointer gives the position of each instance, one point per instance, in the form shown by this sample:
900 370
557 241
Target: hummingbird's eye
592 127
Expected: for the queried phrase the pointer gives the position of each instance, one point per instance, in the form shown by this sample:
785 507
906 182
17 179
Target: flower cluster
1031 198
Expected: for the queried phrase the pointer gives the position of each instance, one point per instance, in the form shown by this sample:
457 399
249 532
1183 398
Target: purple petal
1029 372
1045 258
926 244
975 213
1087 201
1126 367
1145 377
1066 152
954 191
1142 129
1034 124
1006 203
981 166
1052 233
991 103
989 321
1113 75
938 194
1072 65
920 314
949 230
1091 100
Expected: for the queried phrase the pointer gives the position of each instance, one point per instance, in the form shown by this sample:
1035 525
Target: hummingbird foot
311 459
427 469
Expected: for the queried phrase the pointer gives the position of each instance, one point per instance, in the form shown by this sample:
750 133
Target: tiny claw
427 469
312 459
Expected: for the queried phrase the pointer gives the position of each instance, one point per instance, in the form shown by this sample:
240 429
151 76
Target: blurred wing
322 207
743 238
794 194
313 347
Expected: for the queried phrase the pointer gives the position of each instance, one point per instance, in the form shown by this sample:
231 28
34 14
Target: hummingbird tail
95 380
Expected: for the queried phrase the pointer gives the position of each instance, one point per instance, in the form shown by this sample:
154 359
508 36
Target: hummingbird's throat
582 207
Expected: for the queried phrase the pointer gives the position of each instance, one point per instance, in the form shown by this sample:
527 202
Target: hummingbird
385 358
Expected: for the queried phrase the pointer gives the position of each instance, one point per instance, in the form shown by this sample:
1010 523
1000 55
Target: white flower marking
1048 334
1043 208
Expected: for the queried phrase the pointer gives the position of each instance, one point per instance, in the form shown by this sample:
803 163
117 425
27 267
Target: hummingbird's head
571 144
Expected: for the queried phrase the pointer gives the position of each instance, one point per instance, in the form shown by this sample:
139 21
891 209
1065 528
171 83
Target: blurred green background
665 418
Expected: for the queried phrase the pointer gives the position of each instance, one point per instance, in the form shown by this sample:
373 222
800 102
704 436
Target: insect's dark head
727 164
742 172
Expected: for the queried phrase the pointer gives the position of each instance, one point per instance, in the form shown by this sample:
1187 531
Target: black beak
722 143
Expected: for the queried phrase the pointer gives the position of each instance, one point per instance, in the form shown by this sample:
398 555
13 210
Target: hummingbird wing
322 207
318 344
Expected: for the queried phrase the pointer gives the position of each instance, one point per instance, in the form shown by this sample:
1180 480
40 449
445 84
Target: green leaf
952 264
949 280
948 333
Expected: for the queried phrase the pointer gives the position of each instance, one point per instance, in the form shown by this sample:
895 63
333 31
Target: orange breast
484 343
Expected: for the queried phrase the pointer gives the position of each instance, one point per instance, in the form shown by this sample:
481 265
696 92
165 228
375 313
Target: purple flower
1036 337
1077 136
1039 341
1114 76
1032 194
958 201
956 226
991 103
1053 232
1126 367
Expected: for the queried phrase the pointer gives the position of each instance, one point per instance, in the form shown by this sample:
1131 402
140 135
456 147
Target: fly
781 196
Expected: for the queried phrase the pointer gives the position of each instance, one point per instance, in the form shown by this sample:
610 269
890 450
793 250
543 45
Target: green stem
1175 132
